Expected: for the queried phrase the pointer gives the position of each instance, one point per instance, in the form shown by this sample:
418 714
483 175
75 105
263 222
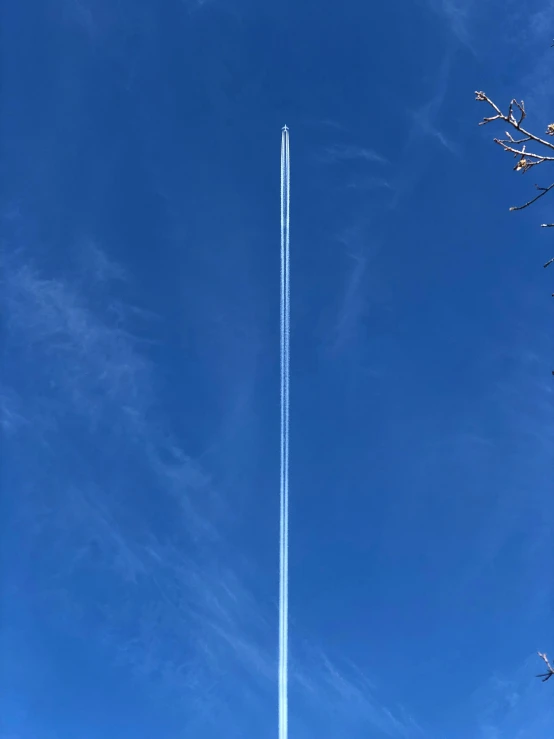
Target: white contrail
284 478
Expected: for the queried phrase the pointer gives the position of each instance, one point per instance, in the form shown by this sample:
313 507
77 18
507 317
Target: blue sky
139 212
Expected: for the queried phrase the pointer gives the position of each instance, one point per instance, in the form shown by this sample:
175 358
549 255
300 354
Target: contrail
284 478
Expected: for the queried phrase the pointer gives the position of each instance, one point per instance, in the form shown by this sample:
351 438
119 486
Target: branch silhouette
541 150
550 670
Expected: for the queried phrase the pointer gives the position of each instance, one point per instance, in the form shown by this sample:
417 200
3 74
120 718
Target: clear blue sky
139 208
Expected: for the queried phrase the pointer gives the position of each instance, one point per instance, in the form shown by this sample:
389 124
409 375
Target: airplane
285 128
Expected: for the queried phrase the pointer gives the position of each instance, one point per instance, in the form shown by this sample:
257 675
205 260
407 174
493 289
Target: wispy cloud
11 416
87 371
80 14
353 305
534 87
458 16
325 123
368 183
417 149
540 20
362 291
134 533
344 691
515 706
425 117
95 266
344 152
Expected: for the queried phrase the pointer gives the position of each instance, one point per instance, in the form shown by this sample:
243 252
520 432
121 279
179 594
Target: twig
543 191
510 118
526 159
517 147
546 675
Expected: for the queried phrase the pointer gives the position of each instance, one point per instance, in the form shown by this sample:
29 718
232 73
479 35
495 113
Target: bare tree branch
517 146
546 675
543 191
511 119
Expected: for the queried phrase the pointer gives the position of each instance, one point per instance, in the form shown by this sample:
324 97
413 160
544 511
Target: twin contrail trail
284 481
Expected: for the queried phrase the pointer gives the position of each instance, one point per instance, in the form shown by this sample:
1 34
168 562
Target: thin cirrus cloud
535 85
368 183
352 306
424 128
344 152
510 706
362 293
457 15
424 118
134 531
349 687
